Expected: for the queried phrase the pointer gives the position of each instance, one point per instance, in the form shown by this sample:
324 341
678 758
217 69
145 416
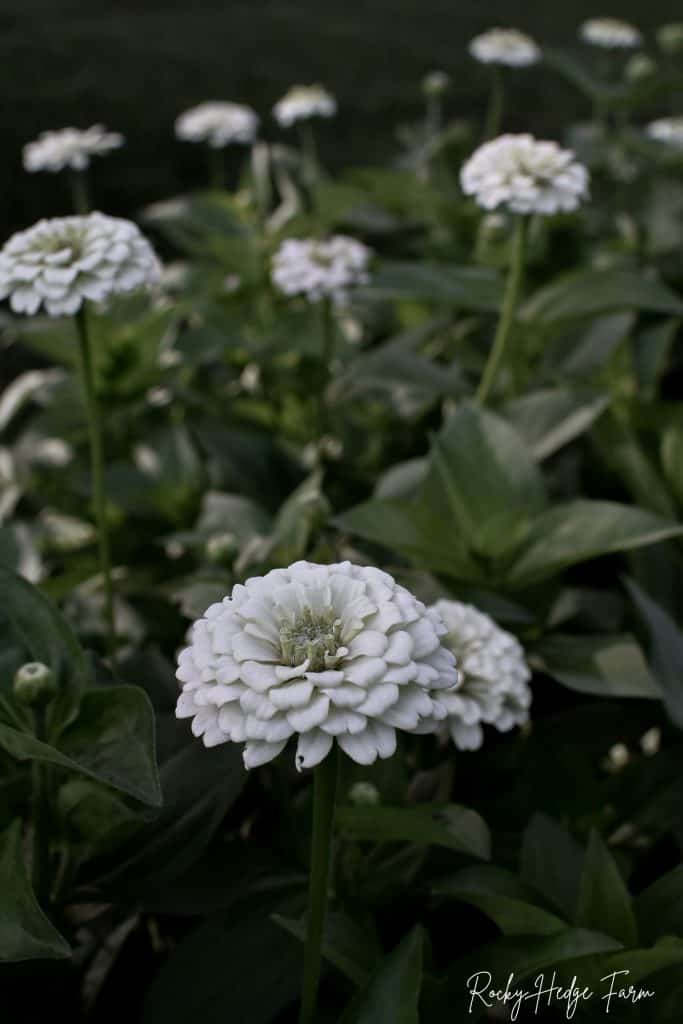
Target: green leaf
666 649
25 932
659 908
393 993
504 898
593 292
351 949
672 457
604 901
607 666
547 420
111 740
452 826
579 530
472 288
551 862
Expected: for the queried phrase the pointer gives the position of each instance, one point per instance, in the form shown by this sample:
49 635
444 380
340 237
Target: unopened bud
640 66
222 547
436 83
364 794
34 684
670 37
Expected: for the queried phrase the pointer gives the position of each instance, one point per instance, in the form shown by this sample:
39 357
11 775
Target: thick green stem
434 115
494 113
309 153
80 193
324 794
217 168
41 822
507 313
97 470
328 338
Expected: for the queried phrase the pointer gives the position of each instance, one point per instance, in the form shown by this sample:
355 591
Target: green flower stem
96 469
80 193
434 115
41 818
309 153
216 168
328 337
324 795
494 113
507 313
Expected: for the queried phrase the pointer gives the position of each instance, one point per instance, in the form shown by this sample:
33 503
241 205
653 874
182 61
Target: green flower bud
639 66
670 37
222 547
364 794
34 684
436 83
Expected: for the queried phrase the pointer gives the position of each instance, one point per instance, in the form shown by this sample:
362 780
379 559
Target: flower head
60 263
495 676
321 652
302 102
69 147
217 124
505 46
523 175
668 130
320 269
610 33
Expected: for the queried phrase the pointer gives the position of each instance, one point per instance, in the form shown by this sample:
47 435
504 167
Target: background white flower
524 175
320 268
668 130
495 676
317 651
302 102
60 263
218 124
610 33
505 46
69 147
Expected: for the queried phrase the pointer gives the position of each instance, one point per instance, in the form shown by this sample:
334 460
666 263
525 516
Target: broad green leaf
604 900
502 897
666 649
651 352
547 420
111 740
551 862
452 826
300 516
351 949
580 530
402 480
621 449
393 993
593 292
588 347
606 666
475 288
659 908
25 932
672 457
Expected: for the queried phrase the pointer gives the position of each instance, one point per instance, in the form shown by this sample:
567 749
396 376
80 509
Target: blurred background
135 64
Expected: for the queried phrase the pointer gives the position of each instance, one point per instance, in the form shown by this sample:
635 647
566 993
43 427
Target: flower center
316 638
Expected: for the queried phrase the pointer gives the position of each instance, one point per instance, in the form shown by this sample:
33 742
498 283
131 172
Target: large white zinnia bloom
69 147
322 652
505 46
610 33
62 262
495 676
668 130
524 175
218 124
302 102
320 268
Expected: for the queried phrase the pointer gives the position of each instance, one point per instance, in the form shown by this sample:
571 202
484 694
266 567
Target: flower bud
222 547
639 66
34 684
364 794
670 37
436 83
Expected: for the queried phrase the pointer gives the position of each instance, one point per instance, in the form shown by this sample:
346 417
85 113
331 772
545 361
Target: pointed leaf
592 292
607 666
666 651
452 826
393 993
604 901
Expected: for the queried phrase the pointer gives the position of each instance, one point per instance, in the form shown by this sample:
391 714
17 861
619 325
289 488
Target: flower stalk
96 470
494 112
80 193
216 168
324 798
507 314
41 817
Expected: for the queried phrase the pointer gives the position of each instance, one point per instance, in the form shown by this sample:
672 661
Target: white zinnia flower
610 33
60 263
69 147
505 46
218 124
320 268
524 175
668 130
302 102
495 676
317 651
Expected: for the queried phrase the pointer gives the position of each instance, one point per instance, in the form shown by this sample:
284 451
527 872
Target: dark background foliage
134 64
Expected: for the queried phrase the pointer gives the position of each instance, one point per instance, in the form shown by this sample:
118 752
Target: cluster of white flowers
524 175
495 676
60 263
302 102
321 652
320 268
217 124
505 46
69 147
610 33
668 130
